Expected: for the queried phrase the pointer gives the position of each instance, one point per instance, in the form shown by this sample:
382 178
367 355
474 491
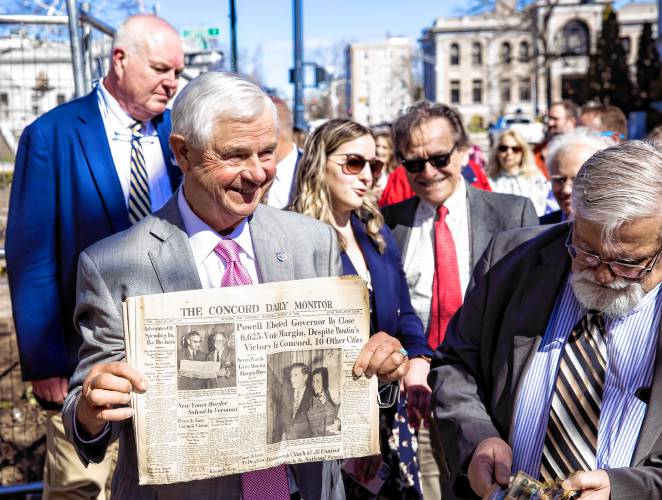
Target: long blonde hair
312 196
527 166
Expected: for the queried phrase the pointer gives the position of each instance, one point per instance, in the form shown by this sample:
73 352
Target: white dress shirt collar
203 238
116 117
456 203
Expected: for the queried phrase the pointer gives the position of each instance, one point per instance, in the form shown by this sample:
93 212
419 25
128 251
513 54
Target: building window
574 39
625 42
455 91
525 89
4 99
524 52
505 90
477 91
476 54
506 53
61 99
455 54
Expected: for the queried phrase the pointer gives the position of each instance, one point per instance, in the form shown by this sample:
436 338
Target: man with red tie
213 232
444 229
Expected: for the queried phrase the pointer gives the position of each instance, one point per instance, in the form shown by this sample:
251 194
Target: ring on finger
403 351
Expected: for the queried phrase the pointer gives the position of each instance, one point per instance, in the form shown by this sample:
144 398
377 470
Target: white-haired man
565 156
213 232
553 365
74 183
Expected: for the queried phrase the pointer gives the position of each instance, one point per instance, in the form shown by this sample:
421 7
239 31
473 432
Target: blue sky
264 27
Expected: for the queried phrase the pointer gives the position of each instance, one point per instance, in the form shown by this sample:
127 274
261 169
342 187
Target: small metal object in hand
404 352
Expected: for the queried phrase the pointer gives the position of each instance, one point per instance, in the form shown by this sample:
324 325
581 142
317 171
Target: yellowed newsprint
250 377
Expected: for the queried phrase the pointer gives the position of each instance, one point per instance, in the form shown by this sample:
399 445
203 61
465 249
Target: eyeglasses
623 269
355 163
560 180
417 165
503 148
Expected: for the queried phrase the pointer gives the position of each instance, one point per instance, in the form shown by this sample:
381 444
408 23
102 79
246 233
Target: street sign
204 38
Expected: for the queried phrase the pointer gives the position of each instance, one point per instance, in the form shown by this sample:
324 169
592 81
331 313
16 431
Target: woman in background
511 169
384 153
333 185
323 412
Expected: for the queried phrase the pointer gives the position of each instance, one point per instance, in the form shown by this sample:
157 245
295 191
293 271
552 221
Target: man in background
606 119
563 117
85 170
565 156
287 159
444 229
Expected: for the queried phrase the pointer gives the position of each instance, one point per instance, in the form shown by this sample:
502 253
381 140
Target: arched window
455 54
506 53
575 39
524 51
476 54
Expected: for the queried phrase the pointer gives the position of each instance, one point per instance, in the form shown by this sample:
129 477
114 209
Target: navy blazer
65 196
393 312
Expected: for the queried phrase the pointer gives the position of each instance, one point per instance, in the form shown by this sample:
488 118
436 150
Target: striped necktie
139 201
269 483
571 440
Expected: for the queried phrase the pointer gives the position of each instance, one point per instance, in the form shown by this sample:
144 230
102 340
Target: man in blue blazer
72 180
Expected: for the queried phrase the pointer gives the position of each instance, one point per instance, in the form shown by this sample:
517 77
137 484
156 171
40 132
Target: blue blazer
65 196
393 312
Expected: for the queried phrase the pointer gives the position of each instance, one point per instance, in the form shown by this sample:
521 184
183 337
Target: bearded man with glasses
552 365
444 229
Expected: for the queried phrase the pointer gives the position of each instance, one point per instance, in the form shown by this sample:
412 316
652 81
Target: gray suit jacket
154 256
476 372
489 214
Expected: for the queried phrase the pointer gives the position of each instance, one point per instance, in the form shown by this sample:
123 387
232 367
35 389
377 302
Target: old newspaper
250 377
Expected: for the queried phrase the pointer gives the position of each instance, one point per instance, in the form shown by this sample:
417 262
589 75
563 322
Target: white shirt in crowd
535 187
419 258
118 129
279 193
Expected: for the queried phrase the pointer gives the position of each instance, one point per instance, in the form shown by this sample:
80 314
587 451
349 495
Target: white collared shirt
419 259
203 239
279 192
118 130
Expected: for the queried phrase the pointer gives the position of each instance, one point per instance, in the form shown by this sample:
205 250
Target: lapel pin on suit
281 256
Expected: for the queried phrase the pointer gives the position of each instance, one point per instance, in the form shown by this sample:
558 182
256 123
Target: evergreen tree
649 68
608 75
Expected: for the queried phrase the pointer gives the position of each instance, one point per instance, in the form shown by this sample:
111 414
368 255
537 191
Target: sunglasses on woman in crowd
417 165
502 148
354 163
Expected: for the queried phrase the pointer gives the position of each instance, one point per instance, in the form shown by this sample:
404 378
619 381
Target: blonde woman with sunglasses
511 169
334 182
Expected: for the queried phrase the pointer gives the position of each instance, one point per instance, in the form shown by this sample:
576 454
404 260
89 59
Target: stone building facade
484 64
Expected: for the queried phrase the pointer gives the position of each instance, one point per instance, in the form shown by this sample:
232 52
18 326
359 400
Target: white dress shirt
419 259
203 239
279 193
118 129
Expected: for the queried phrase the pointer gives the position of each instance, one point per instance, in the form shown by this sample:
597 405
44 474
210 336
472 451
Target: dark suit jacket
489 214
299 426
393 311
552 217
476 372
65 196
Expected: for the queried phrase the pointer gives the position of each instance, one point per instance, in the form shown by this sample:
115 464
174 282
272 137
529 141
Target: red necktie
267 483
446 289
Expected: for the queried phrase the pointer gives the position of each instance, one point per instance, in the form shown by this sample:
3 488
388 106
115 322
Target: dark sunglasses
354 163
503 148
417 165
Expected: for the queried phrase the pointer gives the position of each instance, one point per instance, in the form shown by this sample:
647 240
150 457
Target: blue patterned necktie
139 201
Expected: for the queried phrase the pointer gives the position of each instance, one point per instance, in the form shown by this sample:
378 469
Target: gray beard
614 299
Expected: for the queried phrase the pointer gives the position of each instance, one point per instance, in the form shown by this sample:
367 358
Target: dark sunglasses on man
354 164
416 165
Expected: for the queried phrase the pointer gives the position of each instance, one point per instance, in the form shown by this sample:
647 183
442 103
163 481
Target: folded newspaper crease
250 377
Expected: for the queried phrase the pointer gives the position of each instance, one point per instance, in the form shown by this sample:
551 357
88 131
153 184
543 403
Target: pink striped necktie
267 483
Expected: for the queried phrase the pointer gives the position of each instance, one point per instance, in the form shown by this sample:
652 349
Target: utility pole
76 49
297 15
233 37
